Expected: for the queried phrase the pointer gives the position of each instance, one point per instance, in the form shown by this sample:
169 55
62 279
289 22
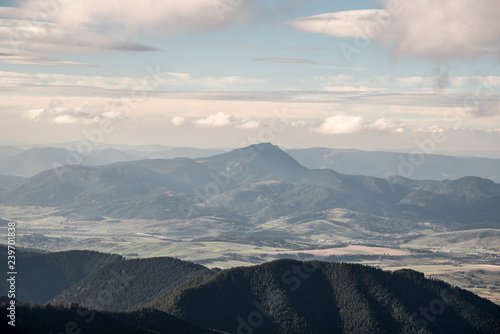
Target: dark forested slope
288 296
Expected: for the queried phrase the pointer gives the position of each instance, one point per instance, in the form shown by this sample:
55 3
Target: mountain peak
263 146
257 162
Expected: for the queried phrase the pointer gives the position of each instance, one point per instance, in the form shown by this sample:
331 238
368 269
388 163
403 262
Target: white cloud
159 17
384 125
87 114
221 119
215 120
439 30
64 119
34 114
340 24
248 124
177 120
341 124
25 34
348 124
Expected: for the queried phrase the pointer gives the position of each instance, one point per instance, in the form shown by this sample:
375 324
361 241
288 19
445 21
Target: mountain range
417 165
27 161
251 185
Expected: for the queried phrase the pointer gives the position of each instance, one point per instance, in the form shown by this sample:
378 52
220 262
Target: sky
375 75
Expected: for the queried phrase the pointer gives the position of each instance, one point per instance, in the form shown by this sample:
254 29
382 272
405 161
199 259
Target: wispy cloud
351 89
303 48
9 56
339 24
163 80
286 60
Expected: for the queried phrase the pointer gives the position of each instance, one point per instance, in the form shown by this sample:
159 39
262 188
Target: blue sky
349 74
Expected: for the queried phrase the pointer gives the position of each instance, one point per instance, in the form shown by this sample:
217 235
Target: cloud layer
155 16
439 30
286 60
30 34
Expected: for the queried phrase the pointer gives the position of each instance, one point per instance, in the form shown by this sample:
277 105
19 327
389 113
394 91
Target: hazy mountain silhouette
255 183
381 164
36 160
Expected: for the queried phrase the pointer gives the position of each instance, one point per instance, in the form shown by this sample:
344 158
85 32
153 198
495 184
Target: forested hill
288 296
45 275
49 319
283 296
82 277
130 283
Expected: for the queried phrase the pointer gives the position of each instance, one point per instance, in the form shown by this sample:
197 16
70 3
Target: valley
469 259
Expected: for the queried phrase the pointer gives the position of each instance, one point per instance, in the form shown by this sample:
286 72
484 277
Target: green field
469 259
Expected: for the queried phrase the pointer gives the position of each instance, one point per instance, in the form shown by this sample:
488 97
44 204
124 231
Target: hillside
104 190
130 283
45 275
464 200
287 296
50 319
7 181
82 276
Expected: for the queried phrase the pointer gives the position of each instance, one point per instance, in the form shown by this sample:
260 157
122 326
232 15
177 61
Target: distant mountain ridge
251 184
36 160
346 161
419 166
16 162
